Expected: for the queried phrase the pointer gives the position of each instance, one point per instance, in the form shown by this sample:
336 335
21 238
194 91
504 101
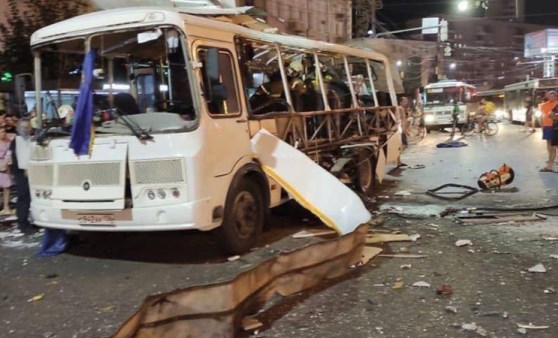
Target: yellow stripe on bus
305 203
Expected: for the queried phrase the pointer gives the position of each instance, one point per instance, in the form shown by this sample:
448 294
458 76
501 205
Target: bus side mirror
216 90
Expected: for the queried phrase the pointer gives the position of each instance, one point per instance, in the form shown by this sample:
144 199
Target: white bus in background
177 154
515 96
439 102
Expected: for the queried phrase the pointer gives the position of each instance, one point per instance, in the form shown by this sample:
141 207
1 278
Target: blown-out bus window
226 103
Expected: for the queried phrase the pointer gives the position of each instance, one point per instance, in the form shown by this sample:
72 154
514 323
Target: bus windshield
444 96
138 73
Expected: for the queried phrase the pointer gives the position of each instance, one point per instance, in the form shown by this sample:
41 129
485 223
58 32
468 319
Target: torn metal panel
317 190
381 166
217 310
394 147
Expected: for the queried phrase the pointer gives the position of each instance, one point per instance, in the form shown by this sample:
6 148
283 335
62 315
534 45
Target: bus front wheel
243 218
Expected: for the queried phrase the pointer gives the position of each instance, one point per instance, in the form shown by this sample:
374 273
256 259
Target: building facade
489 53
325 20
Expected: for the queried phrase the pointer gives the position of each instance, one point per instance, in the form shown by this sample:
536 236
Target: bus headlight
429 118
538 113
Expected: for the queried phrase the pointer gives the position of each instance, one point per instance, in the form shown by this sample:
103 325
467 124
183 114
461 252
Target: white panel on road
381 166
394 146
311 185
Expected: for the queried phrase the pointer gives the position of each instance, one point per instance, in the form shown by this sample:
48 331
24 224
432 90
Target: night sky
396 12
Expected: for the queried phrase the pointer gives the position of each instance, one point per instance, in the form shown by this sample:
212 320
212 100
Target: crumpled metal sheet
216 310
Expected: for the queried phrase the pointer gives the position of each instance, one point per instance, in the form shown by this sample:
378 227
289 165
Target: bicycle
490 127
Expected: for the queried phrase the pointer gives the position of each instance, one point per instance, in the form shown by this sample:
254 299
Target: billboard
541 43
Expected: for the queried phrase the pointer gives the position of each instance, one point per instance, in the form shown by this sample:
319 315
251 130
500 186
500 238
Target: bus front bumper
187 216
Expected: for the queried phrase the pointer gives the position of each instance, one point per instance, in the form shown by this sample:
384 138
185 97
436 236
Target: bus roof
492 92
137 17
535 83
448 83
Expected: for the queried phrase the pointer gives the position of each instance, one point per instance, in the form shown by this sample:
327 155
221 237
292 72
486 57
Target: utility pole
373 17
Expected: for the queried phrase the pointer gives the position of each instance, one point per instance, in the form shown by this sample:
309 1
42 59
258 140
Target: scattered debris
505 315
376 221
481 331
398 285
451 309
19 244
522 330
497 218
550 239
444 289
434 225
403 256
537 268
549 290
313 233
421 284
250 324
530 326
415 237
463 242
106 309
384 238
369 252
36 298
554 256
233 258
404 249
474 327
402 193
406 267
469 326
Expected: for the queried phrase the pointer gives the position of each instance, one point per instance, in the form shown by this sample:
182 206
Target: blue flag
81 130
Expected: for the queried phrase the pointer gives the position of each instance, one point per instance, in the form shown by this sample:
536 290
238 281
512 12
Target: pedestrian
10 123
547 122
21 148
402 114
529 109
5 175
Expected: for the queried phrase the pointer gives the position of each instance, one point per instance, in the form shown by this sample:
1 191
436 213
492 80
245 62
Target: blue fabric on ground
451 144
53 242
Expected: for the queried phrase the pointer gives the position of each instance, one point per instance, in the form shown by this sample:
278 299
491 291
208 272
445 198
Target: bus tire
243 218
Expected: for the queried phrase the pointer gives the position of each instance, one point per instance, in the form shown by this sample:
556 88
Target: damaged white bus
187 89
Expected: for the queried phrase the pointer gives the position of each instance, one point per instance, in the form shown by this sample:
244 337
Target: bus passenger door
225 125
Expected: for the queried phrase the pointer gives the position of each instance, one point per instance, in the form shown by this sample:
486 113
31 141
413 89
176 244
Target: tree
25 17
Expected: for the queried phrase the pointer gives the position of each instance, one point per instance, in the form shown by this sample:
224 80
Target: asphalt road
90 290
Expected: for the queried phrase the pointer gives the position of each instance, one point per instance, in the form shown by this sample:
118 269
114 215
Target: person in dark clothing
20 148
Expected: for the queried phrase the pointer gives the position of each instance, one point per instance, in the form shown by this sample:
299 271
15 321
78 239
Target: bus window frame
202 78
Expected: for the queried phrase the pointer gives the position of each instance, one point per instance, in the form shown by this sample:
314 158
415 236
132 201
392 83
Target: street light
452 65
399 63
463 5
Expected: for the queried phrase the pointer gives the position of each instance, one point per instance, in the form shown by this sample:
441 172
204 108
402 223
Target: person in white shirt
21 148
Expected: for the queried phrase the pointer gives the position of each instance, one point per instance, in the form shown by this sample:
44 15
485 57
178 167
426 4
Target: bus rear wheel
243 218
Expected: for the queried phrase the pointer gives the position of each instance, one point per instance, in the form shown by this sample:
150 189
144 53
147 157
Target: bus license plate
100 219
